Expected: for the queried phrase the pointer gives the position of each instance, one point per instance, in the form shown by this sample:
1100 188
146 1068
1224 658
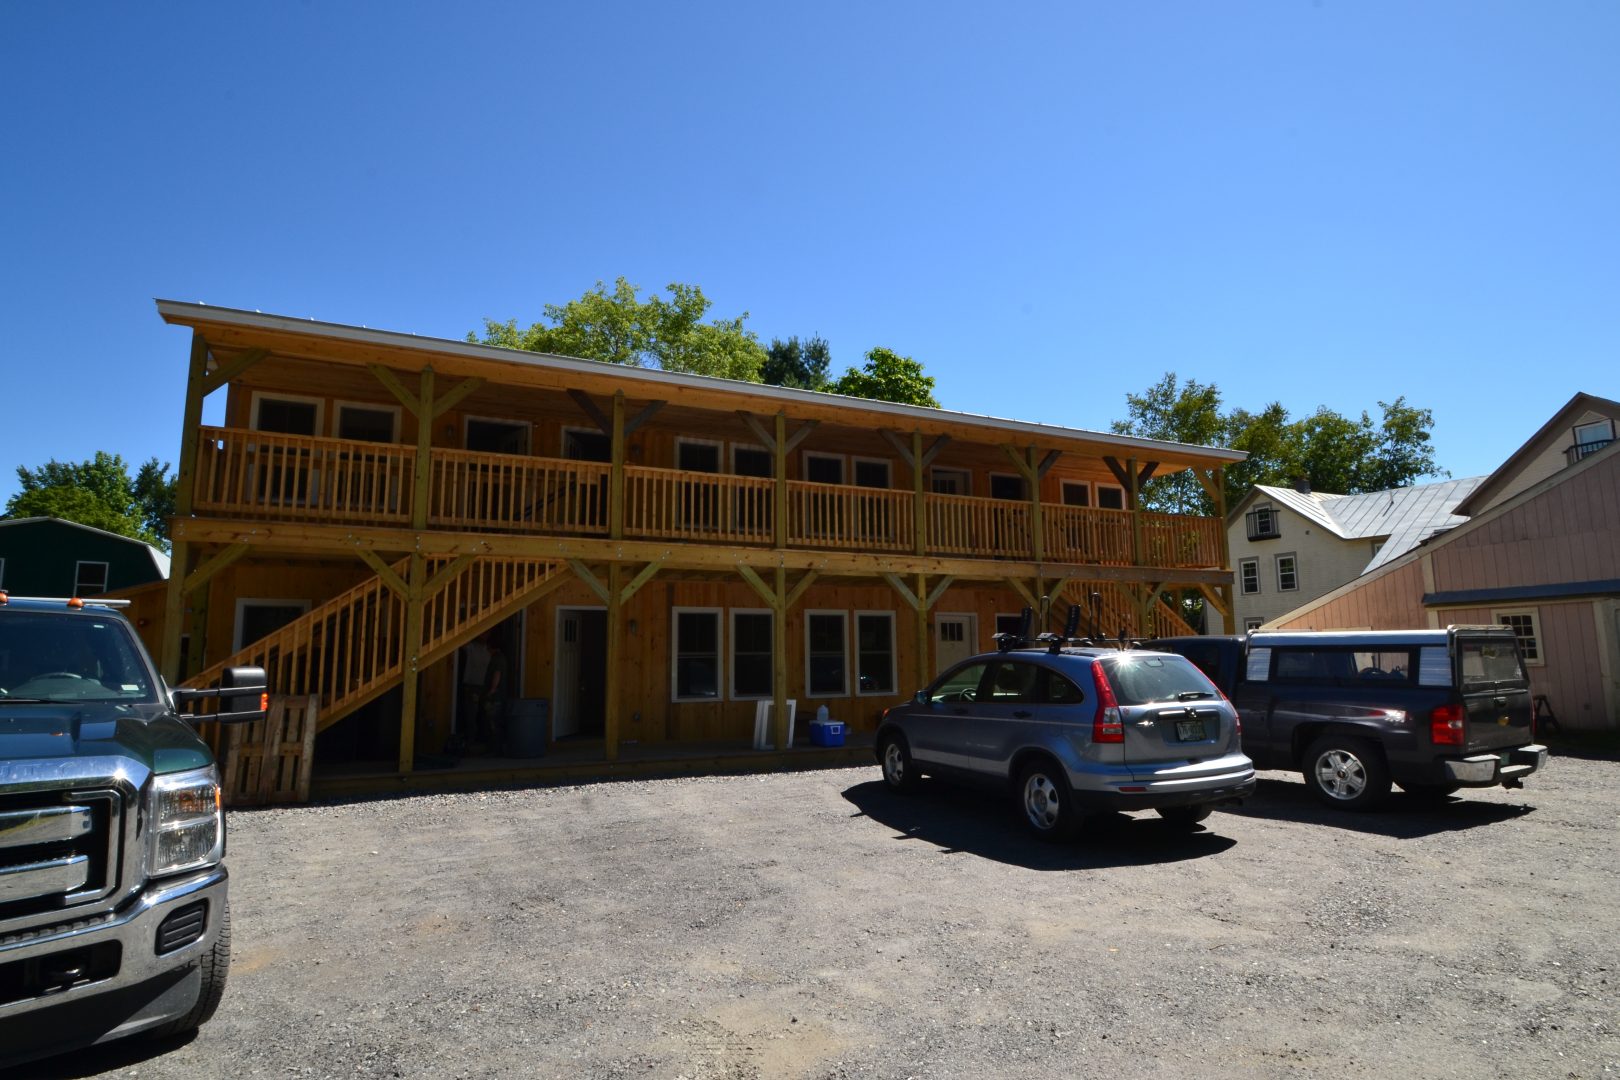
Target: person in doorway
491 726
474 674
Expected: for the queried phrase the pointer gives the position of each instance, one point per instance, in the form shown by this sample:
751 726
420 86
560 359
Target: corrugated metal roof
1407 516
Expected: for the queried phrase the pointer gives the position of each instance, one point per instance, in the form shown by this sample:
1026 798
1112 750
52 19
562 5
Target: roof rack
66 601
1006 641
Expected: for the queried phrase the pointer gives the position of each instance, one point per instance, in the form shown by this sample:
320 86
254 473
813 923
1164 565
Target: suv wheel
899 773
1047 805
1346 773
1185 817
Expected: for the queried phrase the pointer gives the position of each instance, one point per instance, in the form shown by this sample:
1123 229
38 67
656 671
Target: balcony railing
252 474
1575 453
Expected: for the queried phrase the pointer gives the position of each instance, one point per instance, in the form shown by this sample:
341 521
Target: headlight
188 829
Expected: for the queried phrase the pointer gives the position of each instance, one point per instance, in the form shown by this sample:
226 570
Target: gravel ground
814 925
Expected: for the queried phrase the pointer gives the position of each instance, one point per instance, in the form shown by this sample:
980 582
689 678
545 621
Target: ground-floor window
1527 628
697 654
826 649
751 654
874 655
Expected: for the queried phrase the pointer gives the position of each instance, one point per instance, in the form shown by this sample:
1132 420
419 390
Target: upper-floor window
90 579
1008 486
872 473
1287 573
1590 438
1110 497
1249 574
950 481
697 455
823 468
492 436
581 444
1263 524
752 461
286 414
367 423
1076 493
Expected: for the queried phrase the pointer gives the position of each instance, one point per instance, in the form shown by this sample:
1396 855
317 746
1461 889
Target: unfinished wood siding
1568 673
1392 601
1568 533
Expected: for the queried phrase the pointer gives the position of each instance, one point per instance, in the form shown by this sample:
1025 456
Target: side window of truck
1345 666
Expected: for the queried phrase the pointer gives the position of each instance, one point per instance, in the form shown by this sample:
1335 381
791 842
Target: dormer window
1590 438
1263 525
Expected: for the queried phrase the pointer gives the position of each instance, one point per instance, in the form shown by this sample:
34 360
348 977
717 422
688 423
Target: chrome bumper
25 1025
1484 770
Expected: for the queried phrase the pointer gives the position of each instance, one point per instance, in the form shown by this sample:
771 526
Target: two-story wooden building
655 553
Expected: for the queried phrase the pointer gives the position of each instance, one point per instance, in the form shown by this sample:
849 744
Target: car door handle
1022 714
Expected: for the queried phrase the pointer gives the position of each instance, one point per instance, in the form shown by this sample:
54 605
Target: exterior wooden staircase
1119 609
348 651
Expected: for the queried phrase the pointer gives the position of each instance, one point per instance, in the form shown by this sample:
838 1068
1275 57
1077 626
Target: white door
565 688
955 639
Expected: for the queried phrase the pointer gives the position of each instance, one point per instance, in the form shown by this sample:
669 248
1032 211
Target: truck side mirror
242 693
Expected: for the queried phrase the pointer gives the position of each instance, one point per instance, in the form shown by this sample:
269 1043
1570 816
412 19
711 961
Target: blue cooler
826 733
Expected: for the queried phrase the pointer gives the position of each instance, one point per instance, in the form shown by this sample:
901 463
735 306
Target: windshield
1146 679
70 658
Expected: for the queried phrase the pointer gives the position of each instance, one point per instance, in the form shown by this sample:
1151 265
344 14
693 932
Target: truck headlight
188 828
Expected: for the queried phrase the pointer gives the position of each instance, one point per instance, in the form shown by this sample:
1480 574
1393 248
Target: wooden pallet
269 761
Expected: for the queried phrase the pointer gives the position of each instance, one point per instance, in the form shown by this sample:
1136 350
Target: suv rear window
1140 679
1490 664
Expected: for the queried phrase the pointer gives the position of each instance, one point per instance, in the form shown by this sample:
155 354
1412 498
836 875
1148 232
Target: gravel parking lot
814 925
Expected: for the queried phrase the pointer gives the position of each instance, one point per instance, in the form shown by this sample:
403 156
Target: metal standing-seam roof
1407 516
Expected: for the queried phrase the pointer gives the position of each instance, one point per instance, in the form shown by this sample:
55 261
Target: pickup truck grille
58 851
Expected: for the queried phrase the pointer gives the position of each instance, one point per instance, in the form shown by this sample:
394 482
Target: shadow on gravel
984 824
124 1054
1403 816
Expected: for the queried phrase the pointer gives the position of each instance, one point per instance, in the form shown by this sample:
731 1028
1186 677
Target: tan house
1291 545
1540 552
661 557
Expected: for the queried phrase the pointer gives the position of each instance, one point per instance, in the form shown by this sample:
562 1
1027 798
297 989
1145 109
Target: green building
44 556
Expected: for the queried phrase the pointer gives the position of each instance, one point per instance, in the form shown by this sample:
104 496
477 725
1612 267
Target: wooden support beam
615 663
779 663
226 372
396 584
211 566
584 573
802 434
1037 513
1133 503
454 397
1047 462
913 601
647 573
908 454
590 409
920 628
1022 590
919 494
758 585
197 630
933 449
797 591
1023 464
424 452
411 652
431 587
648 411
616 474
938 591
1210 482
391 382
174 612
779 523
185 484
751 422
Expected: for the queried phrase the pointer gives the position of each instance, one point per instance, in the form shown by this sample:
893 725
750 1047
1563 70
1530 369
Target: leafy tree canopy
621 328
801 365
99 493
1331 451
888 376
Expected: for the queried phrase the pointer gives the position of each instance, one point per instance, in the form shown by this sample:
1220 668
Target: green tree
1327 449
801 365
888 376
621 328
99 493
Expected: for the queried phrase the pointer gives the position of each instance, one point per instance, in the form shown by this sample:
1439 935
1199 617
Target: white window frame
844 617
244 602
842 459
527 426
1605 423
369 406
888 471
990 493
1243 586
731 458
894 654
965 474
731 653
259 396
1253 623
106 575
675 614
1294 555
1083 485
1534 615
719 457
1124 497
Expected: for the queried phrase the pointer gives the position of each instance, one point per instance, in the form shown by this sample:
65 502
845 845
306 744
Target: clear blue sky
1049 205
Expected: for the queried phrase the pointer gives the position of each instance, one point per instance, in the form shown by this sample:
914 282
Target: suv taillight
1107 726
1446 725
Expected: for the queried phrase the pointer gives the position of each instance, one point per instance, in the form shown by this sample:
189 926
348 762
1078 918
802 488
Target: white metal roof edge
182 312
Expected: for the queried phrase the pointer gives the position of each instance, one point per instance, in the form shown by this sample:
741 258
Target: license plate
1190 730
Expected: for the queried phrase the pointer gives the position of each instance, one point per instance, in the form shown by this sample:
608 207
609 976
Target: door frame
556 657
970 637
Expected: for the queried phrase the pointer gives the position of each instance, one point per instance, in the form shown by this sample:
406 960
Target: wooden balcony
263 476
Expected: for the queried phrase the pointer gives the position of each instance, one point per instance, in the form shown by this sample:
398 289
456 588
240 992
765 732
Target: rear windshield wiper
1192 695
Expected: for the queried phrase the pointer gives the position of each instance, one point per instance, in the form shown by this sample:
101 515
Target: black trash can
528 727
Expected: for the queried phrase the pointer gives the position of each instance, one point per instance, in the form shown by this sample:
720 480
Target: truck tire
214 965
1346 773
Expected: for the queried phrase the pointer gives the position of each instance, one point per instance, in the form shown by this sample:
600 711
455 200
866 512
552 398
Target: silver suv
1071 731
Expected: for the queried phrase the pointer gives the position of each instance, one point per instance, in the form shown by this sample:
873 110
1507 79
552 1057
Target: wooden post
615 659
424 454
779 664
411 648
616 481
781 480
919 495
920 613
174 607
1036 526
